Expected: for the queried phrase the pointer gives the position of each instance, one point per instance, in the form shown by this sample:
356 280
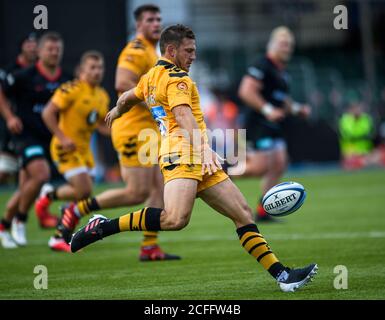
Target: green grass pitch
342 222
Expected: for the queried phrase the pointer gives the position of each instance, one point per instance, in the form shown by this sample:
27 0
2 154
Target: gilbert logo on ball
284 198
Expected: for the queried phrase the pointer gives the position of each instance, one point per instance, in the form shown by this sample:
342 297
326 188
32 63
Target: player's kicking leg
226 198
180 195
137 190
179 200
79 187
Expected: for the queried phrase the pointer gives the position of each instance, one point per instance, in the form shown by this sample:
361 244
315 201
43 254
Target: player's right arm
250 92
62 99
14 123
131 66
125 102
50 117
125 79
9 88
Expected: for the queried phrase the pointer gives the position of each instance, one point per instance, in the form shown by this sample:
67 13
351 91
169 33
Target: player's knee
279 167
276 170
140 194
180 223
41 177
84 193
258 169
176 220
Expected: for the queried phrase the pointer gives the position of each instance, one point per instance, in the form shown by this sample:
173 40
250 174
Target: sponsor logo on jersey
92 117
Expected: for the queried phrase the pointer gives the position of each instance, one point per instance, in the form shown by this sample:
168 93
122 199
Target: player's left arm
125 79
179 95
186 121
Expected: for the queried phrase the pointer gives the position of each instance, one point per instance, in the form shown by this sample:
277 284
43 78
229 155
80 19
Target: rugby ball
284 198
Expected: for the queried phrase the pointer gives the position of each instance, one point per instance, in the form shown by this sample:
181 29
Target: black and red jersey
30 89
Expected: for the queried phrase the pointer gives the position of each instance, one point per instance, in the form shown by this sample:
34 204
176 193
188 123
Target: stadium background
231 34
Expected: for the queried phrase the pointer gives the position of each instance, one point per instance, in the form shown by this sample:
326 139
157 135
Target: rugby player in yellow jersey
76 109
189 166
143 180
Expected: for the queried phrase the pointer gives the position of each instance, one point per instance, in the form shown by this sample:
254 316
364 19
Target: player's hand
275 115
305 111
67 144
300 110
210 160
111 116
14 125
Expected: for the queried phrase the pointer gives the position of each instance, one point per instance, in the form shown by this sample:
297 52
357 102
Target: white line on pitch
294 236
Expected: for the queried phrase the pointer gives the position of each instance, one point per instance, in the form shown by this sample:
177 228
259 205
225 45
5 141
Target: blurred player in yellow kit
76 109
144 182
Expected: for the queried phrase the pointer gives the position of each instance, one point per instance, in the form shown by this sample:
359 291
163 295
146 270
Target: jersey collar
46 75
168 64
165 62
88 85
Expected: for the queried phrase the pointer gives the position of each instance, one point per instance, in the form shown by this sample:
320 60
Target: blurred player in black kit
26 58
31 89
265 89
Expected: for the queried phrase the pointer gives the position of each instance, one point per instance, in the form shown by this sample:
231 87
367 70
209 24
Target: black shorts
264 136
30 148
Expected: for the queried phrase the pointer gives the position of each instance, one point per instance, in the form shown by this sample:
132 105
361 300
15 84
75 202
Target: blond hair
91 54
281 31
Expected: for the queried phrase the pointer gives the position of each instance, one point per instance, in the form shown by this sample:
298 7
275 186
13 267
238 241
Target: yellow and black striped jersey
82 107
138 56
164 87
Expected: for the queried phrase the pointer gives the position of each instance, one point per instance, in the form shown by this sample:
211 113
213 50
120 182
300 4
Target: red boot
59 244
262 215
155 253
46 219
